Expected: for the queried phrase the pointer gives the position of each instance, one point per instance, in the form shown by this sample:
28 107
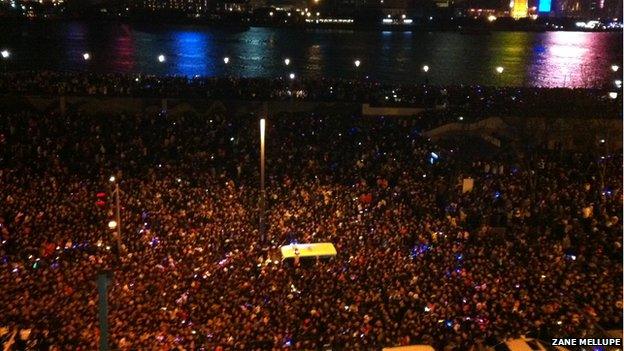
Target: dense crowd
470 100
534 247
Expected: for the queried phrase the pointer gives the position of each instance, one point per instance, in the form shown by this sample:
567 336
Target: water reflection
570 59
75 43
535 59
194 54
122 50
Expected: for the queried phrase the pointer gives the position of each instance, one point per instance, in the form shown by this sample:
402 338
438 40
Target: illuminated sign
544 6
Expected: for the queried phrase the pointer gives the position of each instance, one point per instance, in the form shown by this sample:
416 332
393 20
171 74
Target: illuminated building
191 6
544 6
519 8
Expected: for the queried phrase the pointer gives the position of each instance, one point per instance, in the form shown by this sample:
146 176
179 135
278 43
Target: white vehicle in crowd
410 348
527 344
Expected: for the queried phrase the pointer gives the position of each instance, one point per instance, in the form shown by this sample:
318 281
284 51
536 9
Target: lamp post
425 69
116 224
5 57
262 192
226 61
103 281
500 70
357 64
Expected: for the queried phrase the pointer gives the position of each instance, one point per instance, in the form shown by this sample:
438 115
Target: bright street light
5 54
618 83
161 58
615 68
613 95
86 56
357 63
425 68
226 60
112 224
292 76
287 61
500 69
111 179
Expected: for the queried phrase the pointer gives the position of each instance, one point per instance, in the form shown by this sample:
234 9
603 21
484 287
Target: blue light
192 57
544 5
419 250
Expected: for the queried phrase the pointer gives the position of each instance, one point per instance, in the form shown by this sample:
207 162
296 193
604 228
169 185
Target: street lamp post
357 64
5 56
425 69
500 70
262 192
226 61
117 213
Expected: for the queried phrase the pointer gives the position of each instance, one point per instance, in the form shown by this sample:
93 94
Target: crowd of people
471 100
533 248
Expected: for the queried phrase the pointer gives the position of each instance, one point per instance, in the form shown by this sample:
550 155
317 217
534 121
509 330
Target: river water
571 59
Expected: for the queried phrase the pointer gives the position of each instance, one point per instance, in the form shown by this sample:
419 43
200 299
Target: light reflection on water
537 59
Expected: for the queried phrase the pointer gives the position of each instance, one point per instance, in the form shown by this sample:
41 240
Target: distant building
189 6
519 8
544 7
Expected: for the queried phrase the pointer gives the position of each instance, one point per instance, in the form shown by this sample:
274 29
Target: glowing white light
292 76
613 95
161 58
287 61
425 68
5 53
86 56
500 69
112 224
226 60
111 179
460 118
614 68
491 18
357 63
618 83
